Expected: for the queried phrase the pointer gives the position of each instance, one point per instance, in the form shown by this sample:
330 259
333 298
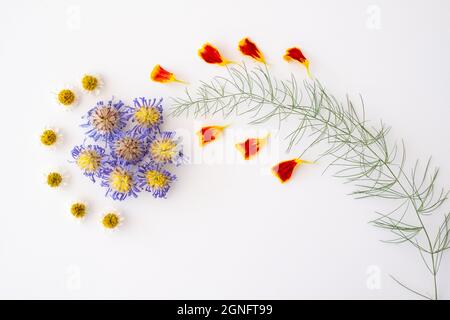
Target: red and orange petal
211 54
249 48
209 134
283 170
251 146
297 55
159 74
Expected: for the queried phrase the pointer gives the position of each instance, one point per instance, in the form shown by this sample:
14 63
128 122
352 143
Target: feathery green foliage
360 153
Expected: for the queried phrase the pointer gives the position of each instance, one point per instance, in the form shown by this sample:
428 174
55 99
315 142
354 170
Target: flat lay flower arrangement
127 152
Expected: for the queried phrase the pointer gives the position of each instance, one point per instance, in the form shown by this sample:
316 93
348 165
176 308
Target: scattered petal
251 146
295 54
283 170
159 74
211 54
249 48
209 134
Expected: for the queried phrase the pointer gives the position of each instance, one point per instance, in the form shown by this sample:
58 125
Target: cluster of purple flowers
126 150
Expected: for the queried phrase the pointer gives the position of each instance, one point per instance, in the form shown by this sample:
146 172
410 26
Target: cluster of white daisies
51 137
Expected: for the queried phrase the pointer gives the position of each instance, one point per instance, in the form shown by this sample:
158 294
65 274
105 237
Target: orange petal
209 134
297 55
251 146
283 170
210 54
159 74
249 48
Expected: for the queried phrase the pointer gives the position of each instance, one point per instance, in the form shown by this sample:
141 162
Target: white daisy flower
78 210
91 83
50 137
67 97
56 179
111 220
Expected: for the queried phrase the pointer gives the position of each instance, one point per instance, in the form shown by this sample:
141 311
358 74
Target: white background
226 230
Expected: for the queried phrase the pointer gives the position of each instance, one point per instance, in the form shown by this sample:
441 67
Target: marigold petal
211 54
159 74
251 146
209 134
295 54
249 48
283 170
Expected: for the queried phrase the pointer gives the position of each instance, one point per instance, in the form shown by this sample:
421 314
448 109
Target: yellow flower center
163 150
147 116
110 220
78 210
156 179
48 137
120 180
89 160
66 97
89 83
54 179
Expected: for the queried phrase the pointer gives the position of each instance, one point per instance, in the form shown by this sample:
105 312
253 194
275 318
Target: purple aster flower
129 146
90 159
146 114
106 119
153 178
166 148
120 179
